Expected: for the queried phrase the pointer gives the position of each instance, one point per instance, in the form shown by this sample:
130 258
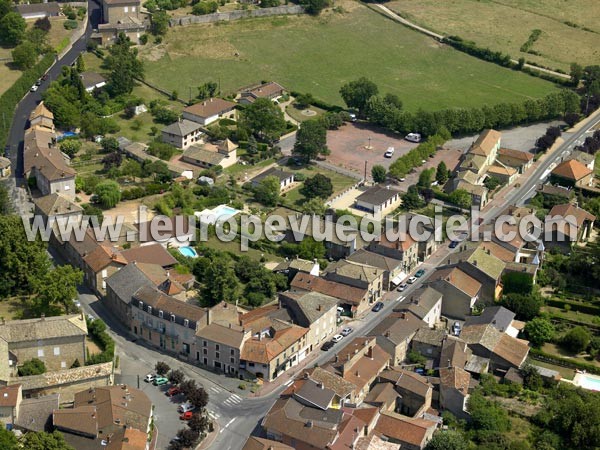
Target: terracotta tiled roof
9 395
264 90
258 443
404 429
459 279
512 350
457 378
571 170
498 251
516 154
268 348
397 327
151 254
404 242
340 291
41 111
332 381
485 142
407 380
566 209
101 257
128 439
15 331
499 170
231 336
170 305
211 107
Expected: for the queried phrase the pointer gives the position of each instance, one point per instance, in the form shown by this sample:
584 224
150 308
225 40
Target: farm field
318 55
506 25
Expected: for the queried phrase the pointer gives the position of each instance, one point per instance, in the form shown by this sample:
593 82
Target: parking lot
349 144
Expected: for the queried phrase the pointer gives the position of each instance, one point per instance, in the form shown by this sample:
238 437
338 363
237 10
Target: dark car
420 273
453 244
327 346
378 307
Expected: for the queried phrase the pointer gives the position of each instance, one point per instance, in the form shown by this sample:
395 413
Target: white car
346 331
411 280
185 407
413 137
402 287
149 378
337 338
389 152
34 88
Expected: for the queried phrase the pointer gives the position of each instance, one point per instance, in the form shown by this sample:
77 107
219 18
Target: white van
413 137
389 152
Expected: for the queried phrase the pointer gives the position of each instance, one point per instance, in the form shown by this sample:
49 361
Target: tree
267 191
109 145
202 8
25 55
43 24
576 340
304 100
161 368
58 287
5 202
317 186
8 440
198 397
45 441
314 7
199 423
576 74
34 366
425 178
517 282
131 168
176 376
160 23
187 387
311 140
412 200
526 307
264 118
357 93
188 437
460 198
108 193
447 440
12 28
539 330
207 90
308 248
532 379
441 173
487 416
70 147
220 282
379 173
314 206
124 66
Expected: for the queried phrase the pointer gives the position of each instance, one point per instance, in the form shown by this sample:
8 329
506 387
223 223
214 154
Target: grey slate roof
430 336
43 328
182 127
314 394
364 256
497 316
126 281
308 307
376 195
421 301
273 172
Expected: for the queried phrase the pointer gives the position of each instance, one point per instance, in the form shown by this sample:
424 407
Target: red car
186 415
173 391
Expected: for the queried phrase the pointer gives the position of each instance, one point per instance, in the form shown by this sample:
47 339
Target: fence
239 14
339 170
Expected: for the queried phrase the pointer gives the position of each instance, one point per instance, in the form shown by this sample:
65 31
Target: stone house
394 334
120 16
57 208
270 90
454 391
182 134
515 158
428 342
378 200
286 179
403 248
426 304
56 341
569 225
392 268
357 275
208 155
572 173
414 390
460 292
10 402
410 433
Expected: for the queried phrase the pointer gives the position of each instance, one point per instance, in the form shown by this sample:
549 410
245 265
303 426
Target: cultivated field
320 54
505 25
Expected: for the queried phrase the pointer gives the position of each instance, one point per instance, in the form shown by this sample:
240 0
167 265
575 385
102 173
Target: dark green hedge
575 306
10 99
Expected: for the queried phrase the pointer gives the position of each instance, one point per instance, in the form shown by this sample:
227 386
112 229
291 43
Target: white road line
228 423
288 383
214 389
237 397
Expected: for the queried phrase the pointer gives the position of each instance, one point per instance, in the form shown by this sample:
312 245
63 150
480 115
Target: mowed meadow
570 29
318 55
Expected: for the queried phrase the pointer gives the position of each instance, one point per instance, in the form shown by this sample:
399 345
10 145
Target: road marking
288 383
237 397
228 423
215 390
402 297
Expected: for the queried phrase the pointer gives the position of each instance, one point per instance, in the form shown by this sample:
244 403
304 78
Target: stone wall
49 382
236 15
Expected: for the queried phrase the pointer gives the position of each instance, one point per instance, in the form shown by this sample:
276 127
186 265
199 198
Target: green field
318 55
505 25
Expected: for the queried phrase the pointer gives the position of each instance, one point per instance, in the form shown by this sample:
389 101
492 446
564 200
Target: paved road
29 102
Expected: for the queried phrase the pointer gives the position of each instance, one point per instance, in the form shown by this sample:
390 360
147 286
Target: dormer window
149 309
172 317
186 322
160 314
141 305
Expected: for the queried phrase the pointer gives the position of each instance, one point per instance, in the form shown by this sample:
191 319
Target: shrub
70 24
32 367
202 8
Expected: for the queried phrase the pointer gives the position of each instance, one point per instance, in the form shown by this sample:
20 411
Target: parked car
340 310
389 152
45 77
402 179
346 331
420 273
38 82
419 370
402 287
453 244
456 329
159 381
378 307
149 378
173 391
413 137
34 88
185 407
337 338
327 346
186 415
411 280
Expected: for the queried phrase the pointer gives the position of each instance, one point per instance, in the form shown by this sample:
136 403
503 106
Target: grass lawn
58 36
296 113
234 247
320 54
8 74
506 25
340 182
9 308
573 315
565 372
557 350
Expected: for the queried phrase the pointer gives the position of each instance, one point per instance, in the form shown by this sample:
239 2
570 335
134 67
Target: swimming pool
188 252
586 381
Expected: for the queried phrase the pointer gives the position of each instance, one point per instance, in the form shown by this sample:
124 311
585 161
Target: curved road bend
31 99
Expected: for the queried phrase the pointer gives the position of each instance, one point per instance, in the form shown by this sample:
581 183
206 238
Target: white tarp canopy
398 278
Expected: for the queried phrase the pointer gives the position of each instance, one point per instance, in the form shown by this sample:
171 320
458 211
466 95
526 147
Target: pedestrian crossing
214 415
233 400
214 389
